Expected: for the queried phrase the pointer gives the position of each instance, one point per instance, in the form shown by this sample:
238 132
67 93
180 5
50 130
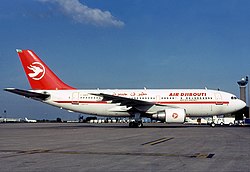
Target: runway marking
210 155
154 142
202 155
47 151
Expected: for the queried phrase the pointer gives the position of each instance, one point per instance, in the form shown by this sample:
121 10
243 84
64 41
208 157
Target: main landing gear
136 122
212 124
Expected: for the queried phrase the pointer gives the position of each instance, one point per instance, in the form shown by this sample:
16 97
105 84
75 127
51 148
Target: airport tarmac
115 147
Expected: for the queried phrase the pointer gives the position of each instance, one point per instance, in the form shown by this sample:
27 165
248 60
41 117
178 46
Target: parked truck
226 121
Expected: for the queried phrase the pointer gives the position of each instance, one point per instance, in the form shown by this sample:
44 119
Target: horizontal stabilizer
28 94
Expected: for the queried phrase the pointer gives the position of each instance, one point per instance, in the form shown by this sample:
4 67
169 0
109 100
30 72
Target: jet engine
170 115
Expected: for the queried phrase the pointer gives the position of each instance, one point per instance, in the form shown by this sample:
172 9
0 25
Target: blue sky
124 44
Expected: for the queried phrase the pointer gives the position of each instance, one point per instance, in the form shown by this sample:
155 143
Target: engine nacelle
171 115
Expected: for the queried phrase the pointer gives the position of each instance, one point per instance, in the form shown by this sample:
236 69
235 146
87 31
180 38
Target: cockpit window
233 97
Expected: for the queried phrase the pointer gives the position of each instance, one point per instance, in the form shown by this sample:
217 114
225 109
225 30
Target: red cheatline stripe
193 103
165 103
90 102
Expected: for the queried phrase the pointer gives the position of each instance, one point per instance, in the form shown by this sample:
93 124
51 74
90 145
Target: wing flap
28 94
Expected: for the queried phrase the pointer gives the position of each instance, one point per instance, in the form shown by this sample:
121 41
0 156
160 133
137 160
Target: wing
123 100
28 94
137 105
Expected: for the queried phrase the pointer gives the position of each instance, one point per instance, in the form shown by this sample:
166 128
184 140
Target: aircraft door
75 98
158 98
218 99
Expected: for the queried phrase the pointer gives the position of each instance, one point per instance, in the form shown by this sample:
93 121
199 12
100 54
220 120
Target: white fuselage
196 102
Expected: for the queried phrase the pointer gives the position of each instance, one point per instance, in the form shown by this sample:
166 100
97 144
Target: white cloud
83 14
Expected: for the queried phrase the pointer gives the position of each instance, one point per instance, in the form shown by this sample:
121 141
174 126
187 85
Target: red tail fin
39 74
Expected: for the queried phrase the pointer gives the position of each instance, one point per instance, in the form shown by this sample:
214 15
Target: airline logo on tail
38 71
40 76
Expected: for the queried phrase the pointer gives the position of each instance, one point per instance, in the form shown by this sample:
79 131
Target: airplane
29 120
166 105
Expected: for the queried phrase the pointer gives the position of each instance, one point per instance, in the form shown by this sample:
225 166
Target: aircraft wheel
140 124
212 124
135 125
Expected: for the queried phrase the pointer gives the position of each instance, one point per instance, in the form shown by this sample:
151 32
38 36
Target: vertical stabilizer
39 74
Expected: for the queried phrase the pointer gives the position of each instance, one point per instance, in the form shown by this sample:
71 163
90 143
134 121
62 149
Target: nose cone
241 104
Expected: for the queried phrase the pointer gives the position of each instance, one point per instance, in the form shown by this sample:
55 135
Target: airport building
243 85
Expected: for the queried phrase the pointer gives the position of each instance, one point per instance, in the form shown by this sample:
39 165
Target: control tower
243 84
